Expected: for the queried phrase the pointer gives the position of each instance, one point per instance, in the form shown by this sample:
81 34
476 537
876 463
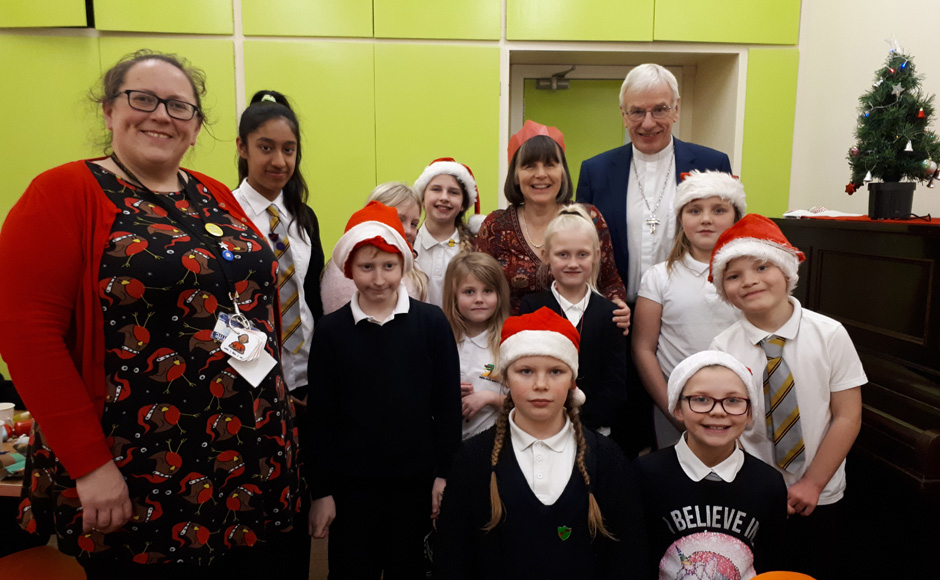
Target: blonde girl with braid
540 496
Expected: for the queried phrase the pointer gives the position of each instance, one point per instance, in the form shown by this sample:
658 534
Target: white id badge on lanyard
245 346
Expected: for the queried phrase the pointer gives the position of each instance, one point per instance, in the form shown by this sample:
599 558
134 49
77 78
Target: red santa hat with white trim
374 225
464 175
541 333
754 236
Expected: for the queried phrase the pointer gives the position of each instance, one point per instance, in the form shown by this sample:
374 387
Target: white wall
842 44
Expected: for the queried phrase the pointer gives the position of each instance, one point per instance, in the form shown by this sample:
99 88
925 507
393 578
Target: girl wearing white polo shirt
678 312
476 303
447 190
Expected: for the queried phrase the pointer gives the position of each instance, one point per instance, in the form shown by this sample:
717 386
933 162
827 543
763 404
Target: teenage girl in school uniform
274 195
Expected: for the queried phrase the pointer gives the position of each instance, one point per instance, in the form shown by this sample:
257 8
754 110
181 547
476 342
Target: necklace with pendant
652 221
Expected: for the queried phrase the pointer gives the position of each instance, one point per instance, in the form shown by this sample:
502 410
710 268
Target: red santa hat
754 236
699 185
709 358
541 333
374 225
464 175
532 129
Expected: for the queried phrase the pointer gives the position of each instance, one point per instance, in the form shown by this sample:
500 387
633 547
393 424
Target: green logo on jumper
564 532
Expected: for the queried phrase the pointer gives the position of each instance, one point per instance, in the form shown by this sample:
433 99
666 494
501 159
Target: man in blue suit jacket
649 104
603 182
633 187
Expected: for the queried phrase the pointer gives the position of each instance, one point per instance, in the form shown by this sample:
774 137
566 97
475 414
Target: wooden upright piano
882 282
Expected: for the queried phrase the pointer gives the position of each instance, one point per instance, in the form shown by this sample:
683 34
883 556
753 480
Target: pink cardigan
51 323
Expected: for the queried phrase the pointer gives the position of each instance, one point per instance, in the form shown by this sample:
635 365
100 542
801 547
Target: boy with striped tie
810 375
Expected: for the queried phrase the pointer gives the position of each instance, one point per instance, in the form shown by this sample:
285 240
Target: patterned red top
501 237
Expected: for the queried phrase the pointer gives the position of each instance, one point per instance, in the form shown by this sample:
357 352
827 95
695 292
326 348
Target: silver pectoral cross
652 222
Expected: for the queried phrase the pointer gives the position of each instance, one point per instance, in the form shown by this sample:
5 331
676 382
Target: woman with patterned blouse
537 187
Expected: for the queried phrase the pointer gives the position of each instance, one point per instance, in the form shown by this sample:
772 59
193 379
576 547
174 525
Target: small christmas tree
893 139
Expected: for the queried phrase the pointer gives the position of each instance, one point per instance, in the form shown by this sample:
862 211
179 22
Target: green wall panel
579 20
307 17
476 19
334 101
769 111
737 21
180 16
49 119
426 107
36 13
586 113
214 153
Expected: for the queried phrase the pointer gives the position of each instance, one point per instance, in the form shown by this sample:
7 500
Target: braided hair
595 519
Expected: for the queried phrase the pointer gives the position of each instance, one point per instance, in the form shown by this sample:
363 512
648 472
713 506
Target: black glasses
658 112
141 101
731 405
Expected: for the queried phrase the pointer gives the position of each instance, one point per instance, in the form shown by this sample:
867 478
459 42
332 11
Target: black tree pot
890 200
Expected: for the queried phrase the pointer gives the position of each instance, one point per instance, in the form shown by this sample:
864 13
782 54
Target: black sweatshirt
384 400
712 523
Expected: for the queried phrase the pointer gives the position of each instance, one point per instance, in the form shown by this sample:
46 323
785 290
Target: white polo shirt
693 313
822 359
573 310
402 306
545 463
476 366
433 258
726 471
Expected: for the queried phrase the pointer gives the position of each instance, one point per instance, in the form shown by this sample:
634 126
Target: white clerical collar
401 307
727 470
259 203
667 152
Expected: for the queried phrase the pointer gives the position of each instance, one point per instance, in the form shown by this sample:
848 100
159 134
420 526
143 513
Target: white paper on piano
802 213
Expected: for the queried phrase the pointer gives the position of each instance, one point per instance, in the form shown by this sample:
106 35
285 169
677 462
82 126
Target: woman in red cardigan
156 441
